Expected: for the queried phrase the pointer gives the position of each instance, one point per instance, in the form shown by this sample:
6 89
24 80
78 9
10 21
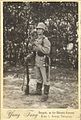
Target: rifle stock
27 67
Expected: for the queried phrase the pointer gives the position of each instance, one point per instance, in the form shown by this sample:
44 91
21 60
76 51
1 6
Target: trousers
41 75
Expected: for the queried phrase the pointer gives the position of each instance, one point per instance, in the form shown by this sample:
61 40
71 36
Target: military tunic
42 49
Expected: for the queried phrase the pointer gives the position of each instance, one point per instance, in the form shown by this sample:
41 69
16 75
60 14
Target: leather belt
40 54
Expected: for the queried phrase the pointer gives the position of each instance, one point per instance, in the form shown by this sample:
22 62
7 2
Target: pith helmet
41 25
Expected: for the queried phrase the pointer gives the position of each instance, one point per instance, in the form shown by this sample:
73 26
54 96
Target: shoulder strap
43 41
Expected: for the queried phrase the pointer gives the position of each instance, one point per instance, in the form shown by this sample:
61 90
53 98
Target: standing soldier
42 48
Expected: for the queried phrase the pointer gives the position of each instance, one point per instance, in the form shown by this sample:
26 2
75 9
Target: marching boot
39 89
46 92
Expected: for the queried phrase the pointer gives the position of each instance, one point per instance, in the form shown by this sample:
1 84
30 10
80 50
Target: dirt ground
63 89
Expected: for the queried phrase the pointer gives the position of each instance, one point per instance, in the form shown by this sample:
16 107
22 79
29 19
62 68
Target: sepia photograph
40 55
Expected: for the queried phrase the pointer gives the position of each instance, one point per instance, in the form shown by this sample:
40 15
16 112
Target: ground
63 89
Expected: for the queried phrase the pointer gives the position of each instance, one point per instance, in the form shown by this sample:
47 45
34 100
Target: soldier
42 48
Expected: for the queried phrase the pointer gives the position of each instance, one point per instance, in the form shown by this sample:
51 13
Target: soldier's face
40 31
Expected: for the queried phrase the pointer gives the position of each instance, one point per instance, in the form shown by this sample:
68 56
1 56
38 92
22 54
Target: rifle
26 71
27 67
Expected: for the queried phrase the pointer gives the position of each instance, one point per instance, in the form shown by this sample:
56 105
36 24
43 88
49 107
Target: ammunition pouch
40 54
47 59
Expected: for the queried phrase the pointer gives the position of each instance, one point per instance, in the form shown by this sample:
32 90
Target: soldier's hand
28 56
